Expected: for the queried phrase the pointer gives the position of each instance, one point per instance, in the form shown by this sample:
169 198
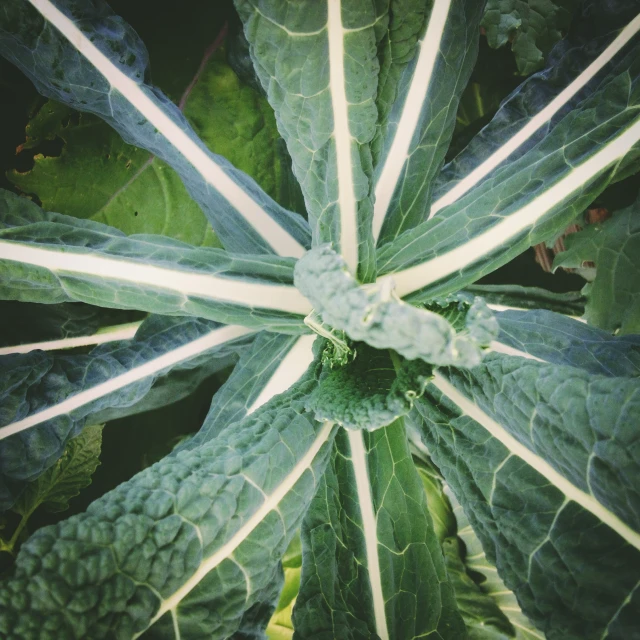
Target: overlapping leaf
24 325
81 54
576 68
543 460
375 316
47 399
48 257
190 546
372 565
528 201
273 364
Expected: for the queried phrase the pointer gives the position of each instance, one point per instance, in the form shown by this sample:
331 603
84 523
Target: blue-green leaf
274 363
47 399
189 548
544 462
81 54
317 61
575 69
557 339
48 257
375 316
372 565
417 131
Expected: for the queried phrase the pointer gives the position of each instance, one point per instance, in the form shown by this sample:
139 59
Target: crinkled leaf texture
371 391
47 398
544 461
191 545
374 315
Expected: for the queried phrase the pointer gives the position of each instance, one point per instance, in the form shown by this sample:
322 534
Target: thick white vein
504 307
291 368
577 495
501 347
276 236
369 529
112 334
539 120
271 502
347 202
150 368
502 233
429 48
120 269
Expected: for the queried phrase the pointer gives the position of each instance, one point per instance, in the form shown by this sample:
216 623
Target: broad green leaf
27 326
481 615
47 399
613 298
529 200
71 473
100 68
189 548
418 129
531 26
502 297
274 363
376 316
542 458
371 391
602 35
557 339
475 560
372 565
131 190
396 50
317 61
70 259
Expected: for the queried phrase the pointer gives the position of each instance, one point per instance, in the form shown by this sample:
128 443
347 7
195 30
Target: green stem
9 547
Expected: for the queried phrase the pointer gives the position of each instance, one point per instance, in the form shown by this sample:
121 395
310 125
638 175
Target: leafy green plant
460 459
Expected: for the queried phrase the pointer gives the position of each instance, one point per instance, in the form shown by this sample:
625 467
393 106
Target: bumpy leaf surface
189 547
372 561
543 460
377 317
369 392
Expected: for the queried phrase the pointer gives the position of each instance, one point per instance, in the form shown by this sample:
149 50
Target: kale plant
458 459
